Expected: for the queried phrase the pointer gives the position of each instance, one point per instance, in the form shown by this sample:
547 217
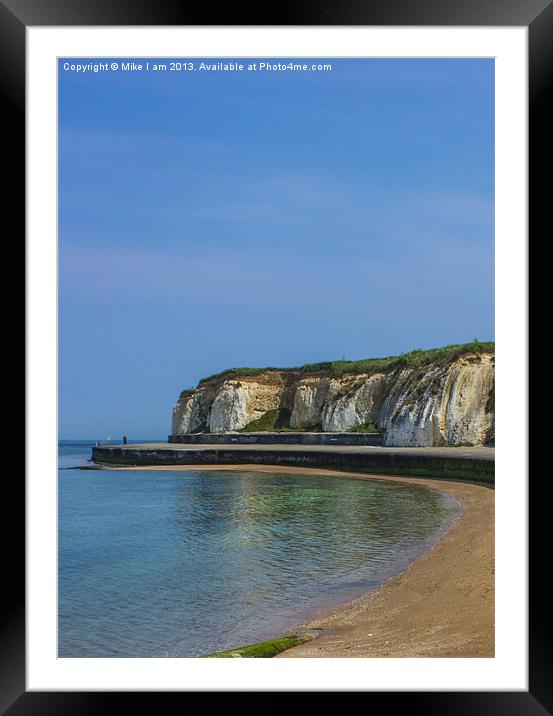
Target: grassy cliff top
414 359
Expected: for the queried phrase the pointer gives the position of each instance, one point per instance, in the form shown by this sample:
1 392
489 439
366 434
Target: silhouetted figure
125 439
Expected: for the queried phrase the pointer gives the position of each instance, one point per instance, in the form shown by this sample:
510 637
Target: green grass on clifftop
412 359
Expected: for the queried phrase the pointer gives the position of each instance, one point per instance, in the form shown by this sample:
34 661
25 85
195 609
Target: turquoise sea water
180 564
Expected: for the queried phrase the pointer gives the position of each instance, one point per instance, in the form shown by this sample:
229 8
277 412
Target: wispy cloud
286 205
104 142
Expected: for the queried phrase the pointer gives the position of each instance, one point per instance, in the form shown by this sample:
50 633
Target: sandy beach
441 606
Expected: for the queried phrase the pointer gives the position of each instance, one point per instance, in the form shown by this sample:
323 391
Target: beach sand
441 606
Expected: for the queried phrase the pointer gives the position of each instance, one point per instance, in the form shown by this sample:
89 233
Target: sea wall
440 403
426 462
280 438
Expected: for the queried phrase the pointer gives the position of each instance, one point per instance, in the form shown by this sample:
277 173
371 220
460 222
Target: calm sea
180 564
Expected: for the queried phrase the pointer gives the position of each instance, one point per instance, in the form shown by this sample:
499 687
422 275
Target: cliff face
440 403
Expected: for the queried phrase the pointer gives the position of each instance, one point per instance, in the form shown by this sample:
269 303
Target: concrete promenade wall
416 461
280 438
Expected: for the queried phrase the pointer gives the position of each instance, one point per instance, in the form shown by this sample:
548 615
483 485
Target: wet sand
441 606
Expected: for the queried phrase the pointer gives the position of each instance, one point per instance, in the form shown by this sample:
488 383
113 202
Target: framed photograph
268 263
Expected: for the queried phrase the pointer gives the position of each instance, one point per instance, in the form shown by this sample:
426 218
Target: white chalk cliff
439 403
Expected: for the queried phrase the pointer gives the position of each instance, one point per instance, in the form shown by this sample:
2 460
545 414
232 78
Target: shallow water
155 563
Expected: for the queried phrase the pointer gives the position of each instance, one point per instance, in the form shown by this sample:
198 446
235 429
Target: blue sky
214 220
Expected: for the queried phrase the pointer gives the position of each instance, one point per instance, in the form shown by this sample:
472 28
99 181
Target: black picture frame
537 15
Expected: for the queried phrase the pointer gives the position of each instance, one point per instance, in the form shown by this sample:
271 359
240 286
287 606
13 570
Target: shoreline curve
442 605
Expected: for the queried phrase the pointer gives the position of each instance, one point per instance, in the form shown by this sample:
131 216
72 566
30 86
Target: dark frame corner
537 15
